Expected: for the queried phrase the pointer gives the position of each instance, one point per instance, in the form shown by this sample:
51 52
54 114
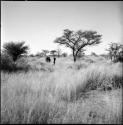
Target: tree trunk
74 58
111 57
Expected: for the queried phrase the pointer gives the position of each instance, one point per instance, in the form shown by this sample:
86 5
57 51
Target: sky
38 23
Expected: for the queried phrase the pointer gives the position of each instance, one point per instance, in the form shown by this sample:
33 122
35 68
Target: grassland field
86 92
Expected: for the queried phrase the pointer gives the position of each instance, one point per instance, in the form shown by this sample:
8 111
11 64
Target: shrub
22 64
32 55
15 49
64 54
79 66
7 63
116 52
100 78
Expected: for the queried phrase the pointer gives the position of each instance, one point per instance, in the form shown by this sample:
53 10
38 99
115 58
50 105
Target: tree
81 53
76 41
59 52
15 49
115 52
120 56
53 52
45 52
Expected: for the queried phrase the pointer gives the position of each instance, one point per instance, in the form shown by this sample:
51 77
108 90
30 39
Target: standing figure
54 60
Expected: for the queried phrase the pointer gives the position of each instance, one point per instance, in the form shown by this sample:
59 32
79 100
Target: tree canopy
15 49
53 52
115 52
78 40
45 52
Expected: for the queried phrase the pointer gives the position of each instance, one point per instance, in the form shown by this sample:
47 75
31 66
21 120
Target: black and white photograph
61 62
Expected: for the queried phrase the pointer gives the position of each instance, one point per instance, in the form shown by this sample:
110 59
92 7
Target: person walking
54 60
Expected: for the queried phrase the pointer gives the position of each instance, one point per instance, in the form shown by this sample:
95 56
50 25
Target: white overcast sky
39 22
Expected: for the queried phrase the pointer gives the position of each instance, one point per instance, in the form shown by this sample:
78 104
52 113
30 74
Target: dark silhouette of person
54 60
48 59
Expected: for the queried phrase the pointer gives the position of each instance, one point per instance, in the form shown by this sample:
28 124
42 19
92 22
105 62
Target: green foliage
15 49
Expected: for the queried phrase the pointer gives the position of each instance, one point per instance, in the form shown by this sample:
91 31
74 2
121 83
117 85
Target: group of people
49 60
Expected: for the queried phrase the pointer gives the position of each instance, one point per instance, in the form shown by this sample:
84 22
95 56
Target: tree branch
62 41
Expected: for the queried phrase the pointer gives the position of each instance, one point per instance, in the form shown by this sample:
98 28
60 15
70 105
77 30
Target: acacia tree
15 49
81 53
59 52
76 41
115 52
45 52
53 52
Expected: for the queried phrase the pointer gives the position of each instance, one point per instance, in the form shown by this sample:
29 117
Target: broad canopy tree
76 41
15 49
53 52
45 52
59 52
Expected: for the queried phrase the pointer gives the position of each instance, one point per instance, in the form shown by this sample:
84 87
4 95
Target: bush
79 66
22 64
93 54
97 79
116 52
8 65
31 55
64 54
15 49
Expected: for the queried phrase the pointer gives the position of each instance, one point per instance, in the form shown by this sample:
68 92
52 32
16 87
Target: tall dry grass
89 95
